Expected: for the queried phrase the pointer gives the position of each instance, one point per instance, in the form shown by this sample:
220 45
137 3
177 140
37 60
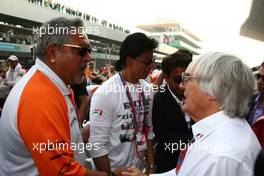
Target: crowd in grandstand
76 13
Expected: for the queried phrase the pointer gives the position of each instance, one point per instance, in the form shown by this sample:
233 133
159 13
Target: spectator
14 71
224 143
4 89
257 102
155 74
39 117
170 125
120 116
111 71
92 77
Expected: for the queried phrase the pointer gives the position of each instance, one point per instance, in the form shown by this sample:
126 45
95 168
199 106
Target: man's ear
212 98
128 61
52 51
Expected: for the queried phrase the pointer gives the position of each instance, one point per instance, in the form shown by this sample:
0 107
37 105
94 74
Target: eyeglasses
178 79
147 62
186 77
81 49
259 76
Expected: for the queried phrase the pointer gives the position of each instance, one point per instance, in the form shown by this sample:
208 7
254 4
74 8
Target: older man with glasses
171 126
39 126
217 90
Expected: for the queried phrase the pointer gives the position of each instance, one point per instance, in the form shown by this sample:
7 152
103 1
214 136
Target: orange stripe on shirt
43 120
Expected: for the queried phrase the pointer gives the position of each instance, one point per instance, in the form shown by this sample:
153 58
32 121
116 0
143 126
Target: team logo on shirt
98 112
72 110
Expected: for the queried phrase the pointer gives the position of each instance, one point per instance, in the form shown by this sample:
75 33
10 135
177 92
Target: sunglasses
259 76
147 62
81 49
178 79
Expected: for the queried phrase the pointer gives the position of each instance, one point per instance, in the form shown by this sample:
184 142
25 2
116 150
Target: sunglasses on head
178 79
81 49
259 76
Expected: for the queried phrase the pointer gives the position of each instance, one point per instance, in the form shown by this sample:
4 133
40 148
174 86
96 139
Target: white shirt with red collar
223 146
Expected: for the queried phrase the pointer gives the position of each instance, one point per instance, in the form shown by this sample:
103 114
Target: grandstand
173 35
20 18
17 28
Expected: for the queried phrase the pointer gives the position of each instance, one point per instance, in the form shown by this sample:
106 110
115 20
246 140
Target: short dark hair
134 45
175 60
185 51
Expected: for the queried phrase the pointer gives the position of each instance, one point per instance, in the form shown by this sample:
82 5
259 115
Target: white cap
12 58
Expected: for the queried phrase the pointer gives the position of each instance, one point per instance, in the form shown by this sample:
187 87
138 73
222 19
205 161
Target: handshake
130 171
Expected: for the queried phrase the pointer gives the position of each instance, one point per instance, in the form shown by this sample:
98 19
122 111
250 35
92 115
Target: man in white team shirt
120 115
217 91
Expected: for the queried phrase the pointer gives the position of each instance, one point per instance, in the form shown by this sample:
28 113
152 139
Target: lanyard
136 118
141 132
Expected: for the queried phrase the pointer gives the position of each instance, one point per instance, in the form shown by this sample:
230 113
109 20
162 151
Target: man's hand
90 172
133 171
119 171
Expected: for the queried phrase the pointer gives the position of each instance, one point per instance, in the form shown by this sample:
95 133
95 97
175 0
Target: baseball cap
12 58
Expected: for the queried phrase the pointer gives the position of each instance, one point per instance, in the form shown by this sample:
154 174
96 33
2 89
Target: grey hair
56 31
227 78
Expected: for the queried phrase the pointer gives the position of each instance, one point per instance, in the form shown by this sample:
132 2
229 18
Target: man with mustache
39 126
